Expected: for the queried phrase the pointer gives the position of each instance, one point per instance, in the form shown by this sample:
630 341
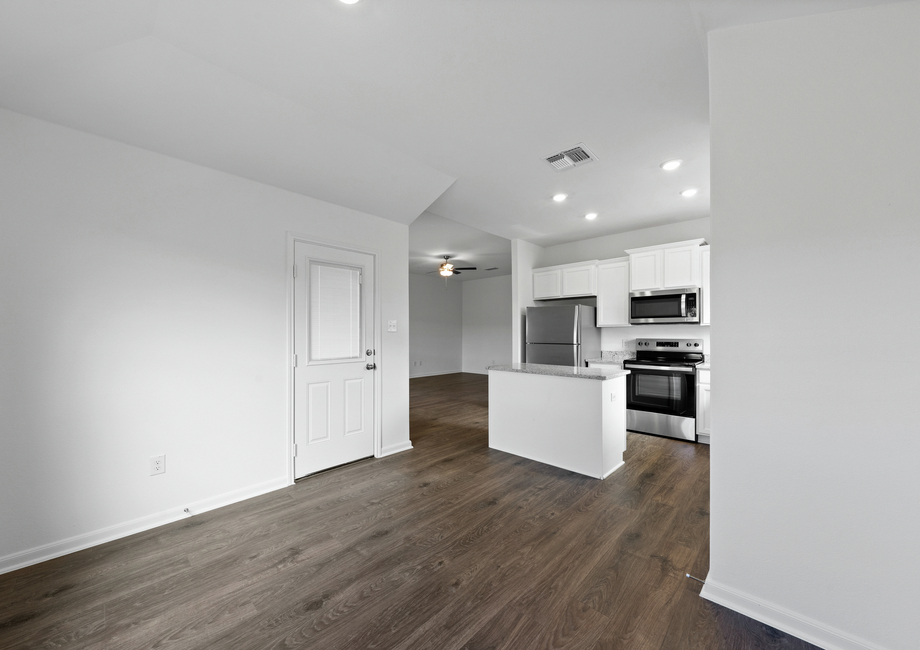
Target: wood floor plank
451 545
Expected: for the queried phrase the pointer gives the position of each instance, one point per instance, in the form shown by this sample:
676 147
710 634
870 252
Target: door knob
371 366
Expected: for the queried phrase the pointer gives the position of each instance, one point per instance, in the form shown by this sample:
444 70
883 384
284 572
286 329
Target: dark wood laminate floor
449 546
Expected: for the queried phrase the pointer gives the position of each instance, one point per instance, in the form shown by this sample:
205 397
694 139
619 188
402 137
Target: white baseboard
395 449
435 374
619 465
803 627
86 540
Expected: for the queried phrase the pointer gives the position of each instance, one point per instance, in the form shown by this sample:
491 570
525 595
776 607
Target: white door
335 371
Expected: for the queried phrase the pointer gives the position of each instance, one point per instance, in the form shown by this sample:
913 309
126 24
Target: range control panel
670 345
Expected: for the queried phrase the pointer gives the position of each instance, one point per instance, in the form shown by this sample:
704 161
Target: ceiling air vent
577 155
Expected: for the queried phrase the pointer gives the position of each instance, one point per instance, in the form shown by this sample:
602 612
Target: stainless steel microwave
665 306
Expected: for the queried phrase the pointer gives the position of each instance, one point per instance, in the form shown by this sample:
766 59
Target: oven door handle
659 368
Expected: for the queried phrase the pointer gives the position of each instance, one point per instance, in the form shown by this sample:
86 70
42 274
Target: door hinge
360 278
295 360
295 450
295 270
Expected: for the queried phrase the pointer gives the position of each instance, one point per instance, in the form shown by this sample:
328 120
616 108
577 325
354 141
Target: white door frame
292 238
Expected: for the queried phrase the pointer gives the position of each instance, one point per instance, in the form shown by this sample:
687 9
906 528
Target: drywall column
524 258
815 202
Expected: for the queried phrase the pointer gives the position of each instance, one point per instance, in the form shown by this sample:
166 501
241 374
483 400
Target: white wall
608 246
144 311
436 325
816 212
486 327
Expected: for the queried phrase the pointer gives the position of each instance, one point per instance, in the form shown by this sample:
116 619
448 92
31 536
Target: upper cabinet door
645 271
579 281
681 267
547 284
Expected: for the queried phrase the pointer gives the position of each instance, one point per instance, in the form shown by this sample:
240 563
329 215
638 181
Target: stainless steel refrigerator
562 335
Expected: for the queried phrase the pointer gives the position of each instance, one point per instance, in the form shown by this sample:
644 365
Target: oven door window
662 392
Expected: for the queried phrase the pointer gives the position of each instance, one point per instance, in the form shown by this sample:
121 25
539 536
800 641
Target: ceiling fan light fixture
446 272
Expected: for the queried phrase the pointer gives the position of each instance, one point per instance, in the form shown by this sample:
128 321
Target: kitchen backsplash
617 356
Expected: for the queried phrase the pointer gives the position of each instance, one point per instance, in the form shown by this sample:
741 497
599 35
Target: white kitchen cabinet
703 407
547 283
704 285
666 266
613 292
645 270
565 281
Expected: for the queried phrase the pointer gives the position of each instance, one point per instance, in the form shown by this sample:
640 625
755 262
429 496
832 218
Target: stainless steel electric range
661 387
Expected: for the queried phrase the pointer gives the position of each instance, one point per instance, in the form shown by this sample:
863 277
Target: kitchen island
569 417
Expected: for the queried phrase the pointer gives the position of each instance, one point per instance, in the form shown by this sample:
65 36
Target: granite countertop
703 366
563 371
606 362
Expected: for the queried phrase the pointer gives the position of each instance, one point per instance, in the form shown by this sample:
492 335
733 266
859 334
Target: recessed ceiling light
559 198
671 165
591 216
348 2
689 192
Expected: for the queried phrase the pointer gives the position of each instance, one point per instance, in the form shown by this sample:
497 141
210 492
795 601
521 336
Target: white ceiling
401 107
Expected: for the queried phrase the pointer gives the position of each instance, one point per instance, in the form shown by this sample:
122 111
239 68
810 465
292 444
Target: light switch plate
391 325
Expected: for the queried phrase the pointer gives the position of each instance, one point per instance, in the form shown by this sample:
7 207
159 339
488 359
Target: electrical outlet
157 464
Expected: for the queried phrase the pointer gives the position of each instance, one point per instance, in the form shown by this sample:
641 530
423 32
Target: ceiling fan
447 269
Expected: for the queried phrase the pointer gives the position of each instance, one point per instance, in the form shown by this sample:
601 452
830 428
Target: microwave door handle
683 305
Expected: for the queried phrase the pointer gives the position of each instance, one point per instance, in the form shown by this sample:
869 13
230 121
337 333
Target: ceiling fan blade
464 268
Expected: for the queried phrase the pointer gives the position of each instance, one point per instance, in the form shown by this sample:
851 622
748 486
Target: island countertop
562 371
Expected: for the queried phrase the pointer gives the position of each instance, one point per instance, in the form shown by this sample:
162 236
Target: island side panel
553 420
614 400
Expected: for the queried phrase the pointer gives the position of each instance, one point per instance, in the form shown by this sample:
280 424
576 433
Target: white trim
291 239
395 449
800 626
79 542
435 374
622 462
